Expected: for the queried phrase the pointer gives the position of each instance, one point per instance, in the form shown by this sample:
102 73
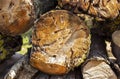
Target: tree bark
97 65
21 70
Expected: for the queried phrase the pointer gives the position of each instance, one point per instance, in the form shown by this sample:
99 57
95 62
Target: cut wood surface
60 42
97 65
18 16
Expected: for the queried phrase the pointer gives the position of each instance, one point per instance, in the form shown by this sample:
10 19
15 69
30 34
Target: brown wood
18 16
98 8
23 70
97 64
60 42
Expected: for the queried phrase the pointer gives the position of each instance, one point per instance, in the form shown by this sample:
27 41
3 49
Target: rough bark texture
60 42
21 70
97 8
97 65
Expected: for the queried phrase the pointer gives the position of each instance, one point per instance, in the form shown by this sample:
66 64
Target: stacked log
17 17
98 8
97 65
60 42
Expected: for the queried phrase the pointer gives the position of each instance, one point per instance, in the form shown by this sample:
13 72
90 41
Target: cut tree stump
97 65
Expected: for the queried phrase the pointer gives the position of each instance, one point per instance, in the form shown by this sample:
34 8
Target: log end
60 42
16 16
98 69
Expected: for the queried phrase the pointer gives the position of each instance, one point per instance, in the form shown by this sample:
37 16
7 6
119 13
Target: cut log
60 42
17 16
116 45
98 8
97 65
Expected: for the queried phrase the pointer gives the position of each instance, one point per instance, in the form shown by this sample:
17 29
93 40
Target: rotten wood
60 42
18 16
97 8
7 64
97 65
